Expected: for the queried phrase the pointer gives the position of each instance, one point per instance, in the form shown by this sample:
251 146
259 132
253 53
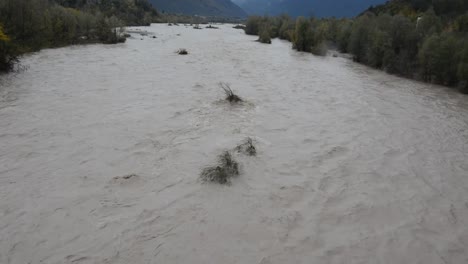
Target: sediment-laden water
353 165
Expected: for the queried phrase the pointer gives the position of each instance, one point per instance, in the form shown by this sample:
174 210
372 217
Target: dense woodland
30 25
421 39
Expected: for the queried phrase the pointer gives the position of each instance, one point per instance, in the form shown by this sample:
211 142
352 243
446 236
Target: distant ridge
317 8
218 8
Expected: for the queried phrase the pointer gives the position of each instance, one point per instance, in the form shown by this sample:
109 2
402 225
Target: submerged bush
230 96
239 27
319 49
264 34
182 52
247 148
222 173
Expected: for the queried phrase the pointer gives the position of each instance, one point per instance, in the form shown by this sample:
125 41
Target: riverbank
32 25
422 44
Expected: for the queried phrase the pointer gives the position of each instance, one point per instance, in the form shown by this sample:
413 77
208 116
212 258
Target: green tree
344 34
286 29
428 24
359 38
379 49
303 36
461 23
427 58
252 25
35 24
404 42
438 59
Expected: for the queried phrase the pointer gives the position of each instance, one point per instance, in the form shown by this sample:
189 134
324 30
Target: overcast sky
238 1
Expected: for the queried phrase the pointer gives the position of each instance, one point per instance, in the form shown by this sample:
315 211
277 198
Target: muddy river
101 148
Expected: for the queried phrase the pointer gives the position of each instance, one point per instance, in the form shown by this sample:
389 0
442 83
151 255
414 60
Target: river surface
353 165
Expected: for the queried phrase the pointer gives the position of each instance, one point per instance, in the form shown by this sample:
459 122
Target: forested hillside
30 25
317 8
412 7
132 13
212 8
422 39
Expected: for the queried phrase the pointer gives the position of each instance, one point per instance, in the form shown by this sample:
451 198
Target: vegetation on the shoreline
31 25
8 57
421 39
191 20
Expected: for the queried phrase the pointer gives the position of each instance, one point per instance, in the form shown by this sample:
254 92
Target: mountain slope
132 13
220 8
318 8
448 8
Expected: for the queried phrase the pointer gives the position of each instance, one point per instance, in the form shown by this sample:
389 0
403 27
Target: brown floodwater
353 165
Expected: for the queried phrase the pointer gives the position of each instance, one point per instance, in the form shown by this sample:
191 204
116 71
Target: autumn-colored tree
3 36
